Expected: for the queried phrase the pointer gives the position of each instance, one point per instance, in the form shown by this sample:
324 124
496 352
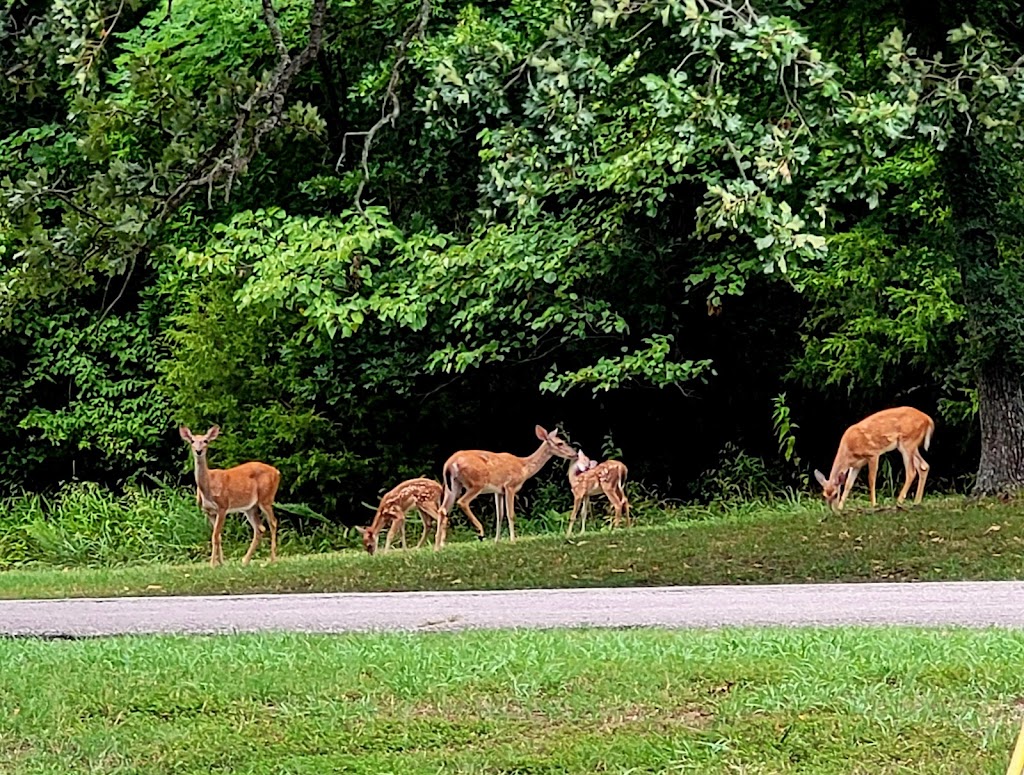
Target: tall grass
86 525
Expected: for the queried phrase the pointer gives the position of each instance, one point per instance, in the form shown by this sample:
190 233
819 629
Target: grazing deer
424 495
903 428
588 477
503 474
249 488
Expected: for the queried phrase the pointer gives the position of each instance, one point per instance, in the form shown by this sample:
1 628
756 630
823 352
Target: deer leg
613 498
448 498
625 504
398 523
431 516
217 553
464 502
211 519
268 512
872 476
583 516
253 515
911 469
850 479
497 511
510 513
427 522
577 502
442 530
401 531
922 468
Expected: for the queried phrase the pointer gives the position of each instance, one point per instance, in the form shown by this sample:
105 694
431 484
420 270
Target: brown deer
249 488
503 474
903 428
588 477
422 494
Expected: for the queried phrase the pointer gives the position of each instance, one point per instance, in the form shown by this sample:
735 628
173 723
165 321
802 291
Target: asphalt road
972 604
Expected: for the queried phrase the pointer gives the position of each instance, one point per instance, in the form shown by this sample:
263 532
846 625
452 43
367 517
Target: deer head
831 490
369 538
554 444
583 463
199 443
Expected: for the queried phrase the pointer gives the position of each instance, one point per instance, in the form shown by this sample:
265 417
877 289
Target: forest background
700 235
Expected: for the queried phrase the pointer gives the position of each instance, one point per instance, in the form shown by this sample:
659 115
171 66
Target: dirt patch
664 719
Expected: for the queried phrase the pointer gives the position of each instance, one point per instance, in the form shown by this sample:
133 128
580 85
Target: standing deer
903 428
424 495
249 488
501 473
588 477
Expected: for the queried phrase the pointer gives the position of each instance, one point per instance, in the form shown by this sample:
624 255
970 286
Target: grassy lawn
944 539
733 701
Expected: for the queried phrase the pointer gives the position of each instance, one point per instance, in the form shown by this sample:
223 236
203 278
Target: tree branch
275 29
389 115
269 96
217 163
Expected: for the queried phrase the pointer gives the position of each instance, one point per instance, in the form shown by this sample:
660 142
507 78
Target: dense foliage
360 235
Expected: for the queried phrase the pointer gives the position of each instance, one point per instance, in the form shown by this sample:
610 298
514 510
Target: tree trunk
1001 411
981 187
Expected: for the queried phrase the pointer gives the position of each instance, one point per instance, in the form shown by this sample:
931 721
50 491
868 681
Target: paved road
974 604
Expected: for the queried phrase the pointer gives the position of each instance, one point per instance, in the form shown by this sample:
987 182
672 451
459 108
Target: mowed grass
948 539
630 701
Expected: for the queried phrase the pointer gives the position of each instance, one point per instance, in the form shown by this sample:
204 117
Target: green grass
943 539
85 525
824 702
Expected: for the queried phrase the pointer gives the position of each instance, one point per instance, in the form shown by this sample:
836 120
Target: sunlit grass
943 539
825 702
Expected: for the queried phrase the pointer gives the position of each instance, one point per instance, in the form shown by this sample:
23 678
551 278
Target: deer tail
449 488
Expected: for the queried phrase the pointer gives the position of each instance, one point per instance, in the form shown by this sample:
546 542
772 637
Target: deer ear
185 433
541 433
843 475
213 433
360 530
820 477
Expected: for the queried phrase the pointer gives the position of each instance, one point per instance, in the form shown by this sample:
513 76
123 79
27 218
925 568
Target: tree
416 202
782 145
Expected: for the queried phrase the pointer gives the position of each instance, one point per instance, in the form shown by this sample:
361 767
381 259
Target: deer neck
202 474
378 520
536 461
573 473
842 463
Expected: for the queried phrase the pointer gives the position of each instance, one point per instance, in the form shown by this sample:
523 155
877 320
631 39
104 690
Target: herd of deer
250 488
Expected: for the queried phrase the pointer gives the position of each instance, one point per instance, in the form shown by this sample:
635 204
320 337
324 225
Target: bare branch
275 29
518 72
105 36
124 287
391 108
736 156
638 33
269 96
274 91
231 155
